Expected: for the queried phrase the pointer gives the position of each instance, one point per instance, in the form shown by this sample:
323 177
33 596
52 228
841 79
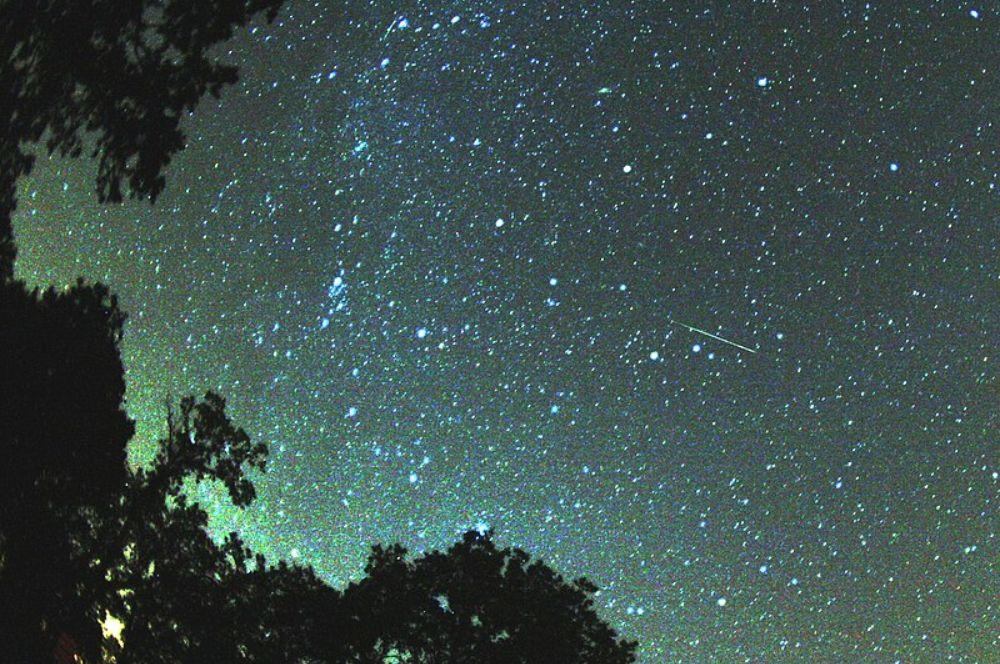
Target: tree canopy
85 539
113 77
180 595
63 437
474 603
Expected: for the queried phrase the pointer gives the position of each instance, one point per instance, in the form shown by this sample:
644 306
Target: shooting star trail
713 336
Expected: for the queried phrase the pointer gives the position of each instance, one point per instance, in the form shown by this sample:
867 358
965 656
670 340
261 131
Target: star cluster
446 260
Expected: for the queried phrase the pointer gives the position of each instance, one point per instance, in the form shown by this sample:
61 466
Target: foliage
183 597
118 76
82 535
474 603
63 435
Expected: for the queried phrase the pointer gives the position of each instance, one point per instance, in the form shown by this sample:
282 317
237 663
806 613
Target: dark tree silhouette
82 535
181 596
139 549
63 434
115 76
185 598
473 603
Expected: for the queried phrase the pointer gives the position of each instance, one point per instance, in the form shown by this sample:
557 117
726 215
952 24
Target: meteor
713 336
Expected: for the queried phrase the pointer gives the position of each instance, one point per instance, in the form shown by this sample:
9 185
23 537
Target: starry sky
446 258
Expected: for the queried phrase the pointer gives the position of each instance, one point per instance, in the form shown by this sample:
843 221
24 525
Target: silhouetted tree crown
184 597
473 603
63 438
82 535
121 73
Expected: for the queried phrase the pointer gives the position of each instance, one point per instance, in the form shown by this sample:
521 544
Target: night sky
446 260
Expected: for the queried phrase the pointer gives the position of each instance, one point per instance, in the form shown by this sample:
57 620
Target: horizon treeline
101 562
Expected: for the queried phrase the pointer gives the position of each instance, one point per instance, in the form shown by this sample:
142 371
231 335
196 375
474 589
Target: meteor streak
713 336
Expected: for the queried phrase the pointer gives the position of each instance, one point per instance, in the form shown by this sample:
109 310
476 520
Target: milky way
433 257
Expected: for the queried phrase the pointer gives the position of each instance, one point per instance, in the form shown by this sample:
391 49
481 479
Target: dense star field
447 261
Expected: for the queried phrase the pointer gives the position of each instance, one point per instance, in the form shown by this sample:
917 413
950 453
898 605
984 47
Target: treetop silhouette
474 603
63 435
118 76
183 597
82 535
